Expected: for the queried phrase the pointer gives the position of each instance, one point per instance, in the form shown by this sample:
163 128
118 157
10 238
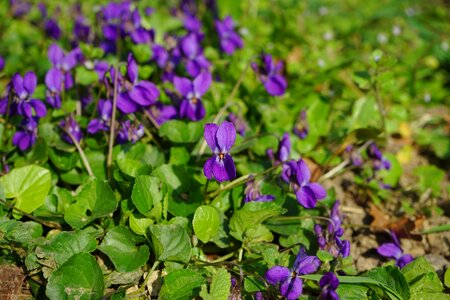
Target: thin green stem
84 159
113 125
380 104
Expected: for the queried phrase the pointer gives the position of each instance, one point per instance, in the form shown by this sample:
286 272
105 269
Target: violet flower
162 113
52 29
129 132
238 122
71 126
229 39
329 283
135 94
191 48
191 106
23 101
220 139
19 8
283 152
63 62
301 128
2 63
379 161
271 75
355 156
298 175
291 285
253 192
331 239
81 29
53 81
26 137
104 108
395 251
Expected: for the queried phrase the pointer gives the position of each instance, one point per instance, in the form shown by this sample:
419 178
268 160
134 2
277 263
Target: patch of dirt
12 283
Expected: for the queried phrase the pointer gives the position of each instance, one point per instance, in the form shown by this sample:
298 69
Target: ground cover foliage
224 149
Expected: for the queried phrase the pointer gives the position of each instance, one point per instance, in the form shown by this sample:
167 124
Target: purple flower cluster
330 239
229 39
394 251
378 160
290 284
270 73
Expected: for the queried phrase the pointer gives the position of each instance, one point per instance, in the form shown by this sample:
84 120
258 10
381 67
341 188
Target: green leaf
65 244
80 277
170 242
181 284
28 186
122 247
206 223
430 177
365 114
447 278
181 132
26 233
423 281
220 286
94 200
85 77
147 191
324 256
352 291
138 224
392 277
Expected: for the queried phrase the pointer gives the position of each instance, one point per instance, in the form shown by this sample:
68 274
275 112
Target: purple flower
191 106
191 48
298 175
129 132
301 128
2 63
135 94
271 75
63 62
253 193
330 239
229 39
24 89
329 283
26 137
71 126
81 29
238 122
53 81
355 156
395 251
283 152
104 108
192 23
52 29
19 8
162 113
220 139
291 285
379 161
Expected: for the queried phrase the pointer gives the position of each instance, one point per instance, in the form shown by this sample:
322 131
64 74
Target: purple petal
303 174
190 45
55 54
144 93
68 80
277 274
183 85
210 135
208 167
29 82
291 289
132 69
17 82
53 80
39 108
306 197
125 104
227 46
226 136
389 250
307 265
404 260
329 279
23 140
224 170
275 86
202 82
318 190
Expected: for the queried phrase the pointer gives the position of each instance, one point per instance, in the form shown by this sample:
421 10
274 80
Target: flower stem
84 159
113 125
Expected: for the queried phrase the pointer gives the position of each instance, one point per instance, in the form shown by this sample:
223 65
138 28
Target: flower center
221 156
